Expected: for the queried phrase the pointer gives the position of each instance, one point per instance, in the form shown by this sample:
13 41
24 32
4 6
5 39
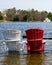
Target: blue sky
39 5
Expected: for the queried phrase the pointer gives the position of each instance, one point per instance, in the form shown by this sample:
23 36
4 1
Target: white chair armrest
43 41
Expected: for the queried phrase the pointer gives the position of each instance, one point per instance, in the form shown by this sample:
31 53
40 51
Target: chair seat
35 39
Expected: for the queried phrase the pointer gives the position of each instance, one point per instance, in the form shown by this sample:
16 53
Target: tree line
24 15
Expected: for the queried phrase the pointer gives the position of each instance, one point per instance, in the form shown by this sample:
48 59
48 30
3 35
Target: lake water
31 59
14 58
46 26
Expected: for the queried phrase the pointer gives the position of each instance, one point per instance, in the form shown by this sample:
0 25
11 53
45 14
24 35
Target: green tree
16 18
10 13
31 18
1 16
25 18
37 16
22 14
26 15
50 16
43 15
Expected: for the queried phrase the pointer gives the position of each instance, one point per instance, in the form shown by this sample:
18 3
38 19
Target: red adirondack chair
34 40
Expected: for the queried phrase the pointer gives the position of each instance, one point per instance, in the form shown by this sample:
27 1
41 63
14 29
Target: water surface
31 59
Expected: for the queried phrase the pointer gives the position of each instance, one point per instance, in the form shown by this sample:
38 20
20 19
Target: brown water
31 59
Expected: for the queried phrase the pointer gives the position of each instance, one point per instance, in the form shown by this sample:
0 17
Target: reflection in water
35 59
23 60
31 59
16 59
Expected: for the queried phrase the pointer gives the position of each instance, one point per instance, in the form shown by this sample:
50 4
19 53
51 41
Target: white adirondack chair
13 40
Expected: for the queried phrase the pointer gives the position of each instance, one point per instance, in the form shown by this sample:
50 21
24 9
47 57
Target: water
31 59
14 58
46 26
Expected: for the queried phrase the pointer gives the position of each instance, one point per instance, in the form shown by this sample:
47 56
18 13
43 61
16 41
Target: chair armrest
22 45
43 41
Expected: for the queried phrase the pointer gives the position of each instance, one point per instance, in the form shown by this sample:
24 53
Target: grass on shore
2 21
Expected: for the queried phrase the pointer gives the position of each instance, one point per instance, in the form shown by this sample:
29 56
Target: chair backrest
34 34
12 34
